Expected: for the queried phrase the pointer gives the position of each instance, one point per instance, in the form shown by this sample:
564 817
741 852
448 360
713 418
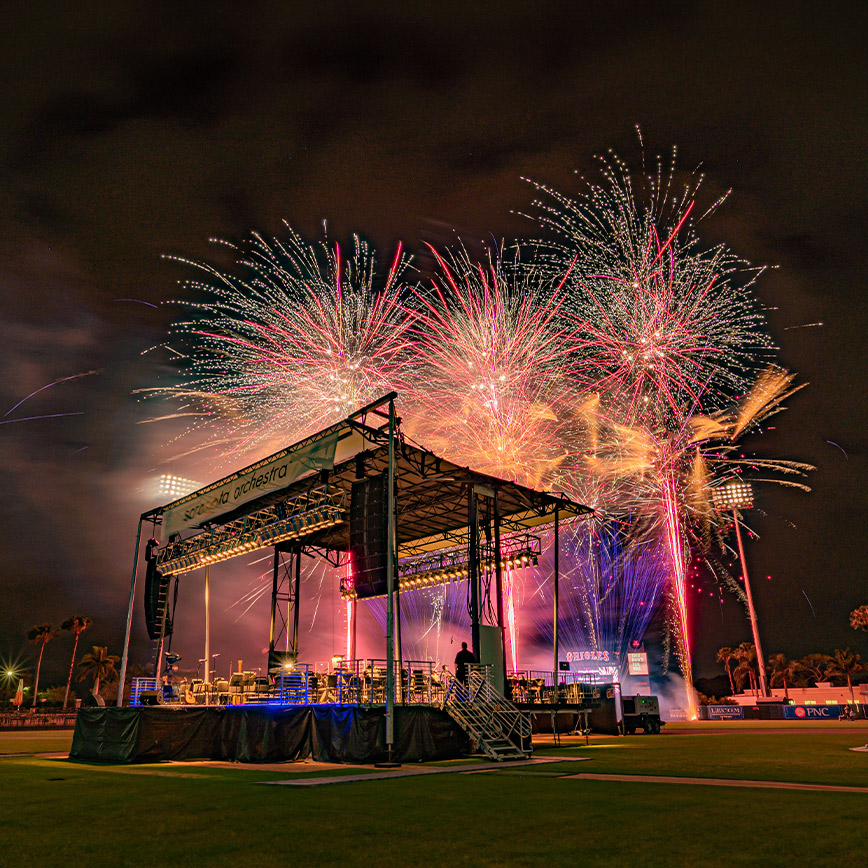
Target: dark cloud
131 130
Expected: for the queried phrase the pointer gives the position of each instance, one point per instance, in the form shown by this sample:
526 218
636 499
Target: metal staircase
493 723
292 688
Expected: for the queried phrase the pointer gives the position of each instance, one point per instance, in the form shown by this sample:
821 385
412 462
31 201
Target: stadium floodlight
732 494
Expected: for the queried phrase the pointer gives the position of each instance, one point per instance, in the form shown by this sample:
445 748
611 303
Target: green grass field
61 813
35 741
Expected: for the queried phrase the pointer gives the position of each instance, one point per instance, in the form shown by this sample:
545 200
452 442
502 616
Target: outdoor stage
392 518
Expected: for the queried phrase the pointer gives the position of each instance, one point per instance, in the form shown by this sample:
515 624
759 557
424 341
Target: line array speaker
368 503
156 600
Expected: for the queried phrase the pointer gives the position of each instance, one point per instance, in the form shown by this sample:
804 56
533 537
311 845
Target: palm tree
859 618
77 624
745 654
40 635
845 664
726 655
783 671
99 665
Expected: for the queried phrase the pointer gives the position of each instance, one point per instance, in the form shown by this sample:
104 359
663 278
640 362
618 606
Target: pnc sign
812 712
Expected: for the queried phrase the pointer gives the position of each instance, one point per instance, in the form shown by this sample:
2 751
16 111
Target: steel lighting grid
453 565
291 519
733 494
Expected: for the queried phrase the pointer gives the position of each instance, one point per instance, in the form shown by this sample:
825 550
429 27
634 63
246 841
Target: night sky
134 130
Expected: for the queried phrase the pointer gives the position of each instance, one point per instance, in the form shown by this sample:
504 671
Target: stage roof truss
432 495
518 523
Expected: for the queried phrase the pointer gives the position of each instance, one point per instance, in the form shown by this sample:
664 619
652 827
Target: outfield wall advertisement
812 712
725 712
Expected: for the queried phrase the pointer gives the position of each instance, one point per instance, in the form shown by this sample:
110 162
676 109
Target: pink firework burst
300 337
667 327
493 357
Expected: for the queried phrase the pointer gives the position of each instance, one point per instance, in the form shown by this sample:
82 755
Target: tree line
97 665
741 667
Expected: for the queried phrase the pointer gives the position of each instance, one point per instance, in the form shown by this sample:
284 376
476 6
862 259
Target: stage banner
258 479
812 712
724 712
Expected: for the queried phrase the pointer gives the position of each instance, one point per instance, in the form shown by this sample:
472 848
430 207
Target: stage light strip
296 527
454 566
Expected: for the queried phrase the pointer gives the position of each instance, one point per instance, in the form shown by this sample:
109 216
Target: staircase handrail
483 709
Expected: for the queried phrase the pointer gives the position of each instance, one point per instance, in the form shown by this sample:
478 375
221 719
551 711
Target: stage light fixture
204 550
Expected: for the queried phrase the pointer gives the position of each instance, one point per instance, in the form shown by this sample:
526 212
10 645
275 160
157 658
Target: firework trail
42 389
431 619
297 339
510 578
611 586
674 538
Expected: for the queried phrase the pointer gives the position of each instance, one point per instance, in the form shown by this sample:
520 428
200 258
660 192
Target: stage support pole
473 564
125 655
296 592
391 564
272 626
390 586
207 682
399 692
498 578
354 610
557 590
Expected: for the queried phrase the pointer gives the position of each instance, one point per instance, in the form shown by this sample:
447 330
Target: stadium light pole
123 673
733 495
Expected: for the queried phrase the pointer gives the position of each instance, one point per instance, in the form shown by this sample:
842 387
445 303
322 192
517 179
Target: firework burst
621 363
666 327
299 338
669 332
494 362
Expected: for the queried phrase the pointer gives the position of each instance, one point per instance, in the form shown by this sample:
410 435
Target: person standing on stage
462 658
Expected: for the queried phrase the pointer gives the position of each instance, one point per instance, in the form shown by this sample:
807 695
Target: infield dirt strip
717 782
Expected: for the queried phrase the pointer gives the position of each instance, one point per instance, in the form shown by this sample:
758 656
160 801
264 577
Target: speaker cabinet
368 503
156 600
